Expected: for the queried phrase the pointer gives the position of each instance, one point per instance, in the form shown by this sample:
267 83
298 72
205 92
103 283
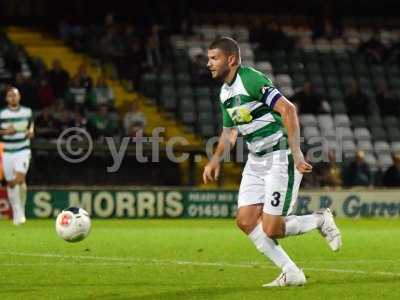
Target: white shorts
271 179
14 162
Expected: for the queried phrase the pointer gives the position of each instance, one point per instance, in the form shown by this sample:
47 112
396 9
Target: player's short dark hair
228 45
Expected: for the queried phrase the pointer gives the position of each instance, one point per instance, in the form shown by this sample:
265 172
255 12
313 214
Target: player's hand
29 133
9 130
301 165
211 171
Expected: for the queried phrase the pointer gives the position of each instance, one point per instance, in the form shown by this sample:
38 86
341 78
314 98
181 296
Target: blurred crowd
61 100
335 173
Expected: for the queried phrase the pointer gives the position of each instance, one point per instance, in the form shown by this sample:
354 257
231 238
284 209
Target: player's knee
271 232
11 184
245 225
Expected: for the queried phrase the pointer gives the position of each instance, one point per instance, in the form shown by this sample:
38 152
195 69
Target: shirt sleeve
226 118
261 88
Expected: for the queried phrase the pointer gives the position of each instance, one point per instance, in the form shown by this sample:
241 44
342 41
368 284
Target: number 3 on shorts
277 196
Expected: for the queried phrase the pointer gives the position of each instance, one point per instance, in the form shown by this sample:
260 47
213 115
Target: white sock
296 225
15 201
23 194
272 249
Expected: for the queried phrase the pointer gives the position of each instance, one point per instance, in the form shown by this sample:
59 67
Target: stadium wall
193 203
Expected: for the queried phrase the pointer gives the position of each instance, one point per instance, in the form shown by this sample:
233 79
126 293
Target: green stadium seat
208 130
202 92
391 121
394 134
339 107
358 121
169 103
167 78
378 134
374 121
168 92
185 92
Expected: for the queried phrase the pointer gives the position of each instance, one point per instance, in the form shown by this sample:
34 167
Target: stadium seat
358 121
308 120
381 147
385 161
341 120
395 147
265 67
310 132
325 122
365 145
391 121
378 134
338 107
394 134
362 134
283 80
344 132
374 120
169 103
349 146
370 159
185 92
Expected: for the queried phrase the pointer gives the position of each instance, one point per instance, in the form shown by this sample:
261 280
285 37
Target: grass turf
192 259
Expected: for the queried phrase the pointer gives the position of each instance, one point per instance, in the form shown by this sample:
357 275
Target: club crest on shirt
266 89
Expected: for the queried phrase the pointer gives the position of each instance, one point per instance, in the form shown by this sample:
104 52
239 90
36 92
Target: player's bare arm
8 130
31 131
290 120
226 140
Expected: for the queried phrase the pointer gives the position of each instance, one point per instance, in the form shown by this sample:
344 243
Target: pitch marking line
140 261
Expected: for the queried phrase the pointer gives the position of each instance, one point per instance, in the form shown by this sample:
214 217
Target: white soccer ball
73 224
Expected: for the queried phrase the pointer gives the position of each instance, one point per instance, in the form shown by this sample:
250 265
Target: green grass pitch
192 259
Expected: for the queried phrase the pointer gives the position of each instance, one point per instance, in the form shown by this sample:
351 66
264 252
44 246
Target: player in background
16 130
252 106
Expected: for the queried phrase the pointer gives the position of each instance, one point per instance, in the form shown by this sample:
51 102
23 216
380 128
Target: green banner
135 203
187 203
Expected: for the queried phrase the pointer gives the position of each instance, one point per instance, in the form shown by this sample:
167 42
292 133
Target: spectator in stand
356 101
102 93
134 121
388 102
153 54
327 28
78 119
131 65
358 172
46 126
329 173
28 91
391 178
111 46
76 94
101 124
64 120
200 71
46 94
374 49
270 36
58 79
84 78
309 102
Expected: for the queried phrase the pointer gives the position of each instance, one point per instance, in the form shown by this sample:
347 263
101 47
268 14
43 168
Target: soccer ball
73 224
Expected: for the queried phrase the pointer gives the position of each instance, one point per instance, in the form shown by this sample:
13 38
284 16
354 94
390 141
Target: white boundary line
139 261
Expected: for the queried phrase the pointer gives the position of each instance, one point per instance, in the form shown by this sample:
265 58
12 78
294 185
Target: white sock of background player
272 250
15 201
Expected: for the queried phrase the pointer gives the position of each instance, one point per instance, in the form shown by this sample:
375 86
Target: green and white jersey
247 104
21 119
